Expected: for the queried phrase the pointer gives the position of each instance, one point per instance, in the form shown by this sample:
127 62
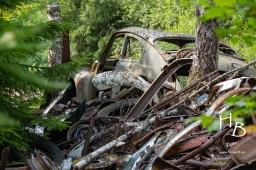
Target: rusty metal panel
138 157
173 140
17 167
206 145
182 92
155 86
244 150
160 164
187 144
41 162
248 166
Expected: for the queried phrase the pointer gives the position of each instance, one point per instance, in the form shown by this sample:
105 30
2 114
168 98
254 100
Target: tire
48 148
119 108
79 129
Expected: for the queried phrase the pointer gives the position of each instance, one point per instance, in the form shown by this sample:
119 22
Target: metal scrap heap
131 114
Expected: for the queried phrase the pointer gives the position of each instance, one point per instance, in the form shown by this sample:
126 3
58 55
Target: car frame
113 73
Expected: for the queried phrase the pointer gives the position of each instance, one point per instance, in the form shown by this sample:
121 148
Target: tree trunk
205 58
55 51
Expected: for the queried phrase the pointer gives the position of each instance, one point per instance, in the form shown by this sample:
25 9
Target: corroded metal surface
107 80
244 150
41 162
175 96
105 162
173 140
203 147
218 102
83 84
144 141
155 86
138 157
187 144
17 167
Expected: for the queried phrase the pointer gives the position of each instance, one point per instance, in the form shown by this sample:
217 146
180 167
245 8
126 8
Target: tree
55 51
23 81
205 58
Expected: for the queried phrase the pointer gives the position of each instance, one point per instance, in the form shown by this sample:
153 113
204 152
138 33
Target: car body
134 57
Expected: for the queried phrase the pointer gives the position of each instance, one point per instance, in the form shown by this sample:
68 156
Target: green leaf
204 3
227 3
214 126
226 31
215 12
249 40
243 2
252 22
206 120
235 40
239 119
240 103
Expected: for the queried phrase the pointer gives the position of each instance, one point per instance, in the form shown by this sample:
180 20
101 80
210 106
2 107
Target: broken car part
138 157
173 141
40 143
187 144
41 162
219 101
107 80
203 147
244 150
79 130
155 86
198 164
173 97
83 161
40 129
119 108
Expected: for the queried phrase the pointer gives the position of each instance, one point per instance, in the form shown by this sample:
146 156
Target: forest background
26 34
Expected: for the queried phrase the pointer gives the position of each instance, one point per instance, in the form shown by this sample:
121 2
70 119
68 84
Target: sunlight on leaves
228 3
8 40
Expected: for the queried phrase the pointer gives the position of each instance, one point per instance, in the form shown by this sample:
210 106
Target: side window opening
116 48
166 46
133 49
114 54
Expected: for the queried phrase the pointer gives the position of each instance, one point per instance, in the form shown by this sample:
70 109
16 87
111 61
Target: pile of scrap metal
135 111
156 137
138 135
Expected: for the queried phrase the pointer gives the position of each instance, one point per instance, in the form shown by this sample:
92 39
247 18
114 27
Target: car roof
152 35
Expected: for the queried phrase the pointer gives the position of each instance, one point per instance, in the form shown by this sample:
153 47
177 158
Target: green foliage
23 44
97 20
237 23
244 105
241 108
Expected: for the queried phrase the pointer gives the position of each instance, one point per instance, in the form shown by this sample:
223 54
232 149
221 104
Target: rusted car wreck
130 108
